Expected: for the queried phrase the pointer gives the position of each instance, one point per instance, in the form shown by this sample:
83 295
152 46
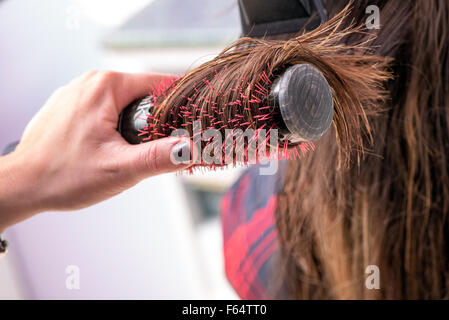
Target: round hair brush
299 101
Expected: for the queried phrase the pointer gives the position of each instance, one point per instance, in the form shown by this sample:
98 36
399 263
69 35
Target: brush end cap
306 103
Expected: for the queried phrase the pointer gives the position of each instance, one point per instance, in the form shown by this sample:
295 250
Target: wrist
20 188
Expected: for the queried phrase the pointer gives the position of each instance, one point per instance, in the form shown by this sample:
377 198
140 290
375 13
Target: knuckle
85 77
111 169
59 91
105 76
150 158
99 78
89 74
100 83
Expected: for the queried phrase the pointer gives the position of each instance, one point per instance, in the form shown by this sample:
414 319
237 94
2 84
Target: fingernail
180 154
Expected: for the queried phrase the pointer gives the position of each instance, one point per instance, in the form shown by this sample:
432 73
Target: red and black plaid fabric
250 238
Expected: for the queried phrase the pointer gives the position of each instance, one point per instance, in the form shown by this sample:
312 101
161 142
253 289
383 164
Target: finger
138 85
159 156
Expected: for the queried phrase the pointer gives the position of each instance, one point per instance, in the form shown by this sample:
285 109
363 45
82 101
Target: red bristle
210 113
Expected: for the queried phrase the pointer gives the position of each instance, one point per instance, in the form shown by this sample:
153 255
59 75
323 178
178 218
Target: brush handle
133 119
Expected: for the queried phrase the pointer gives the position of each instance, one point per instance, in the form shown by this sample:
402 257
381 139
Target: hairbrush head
301 94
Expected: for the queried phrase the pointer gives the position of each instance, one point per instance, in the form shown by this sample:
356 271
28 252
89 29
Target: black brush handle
134 118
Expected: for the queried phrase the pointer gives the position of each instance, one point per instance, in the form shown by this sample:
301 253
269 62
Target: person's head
388 208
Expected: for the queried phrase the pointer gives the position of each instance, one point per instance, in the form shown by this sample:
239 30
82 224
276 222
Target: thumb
160 156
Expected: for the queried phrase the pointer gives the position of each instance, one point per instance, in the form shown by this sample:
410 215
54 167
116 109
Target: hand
71 156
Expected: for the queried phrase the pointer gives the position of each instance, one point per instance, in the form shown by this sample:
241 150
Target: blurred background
161 239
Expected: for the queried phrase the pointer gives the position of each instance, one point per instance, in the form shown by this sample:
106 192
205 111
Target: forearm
19 190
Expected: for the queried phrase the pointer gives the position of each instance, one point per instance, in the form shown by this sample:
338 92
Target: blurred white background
161 239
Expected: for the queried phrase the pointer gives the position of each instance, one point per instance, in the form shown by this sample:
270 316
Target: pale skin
71 156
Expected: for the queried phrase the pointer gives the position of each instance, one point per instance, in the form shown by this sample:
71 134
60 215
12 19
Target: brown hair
376 190
230 92
388 207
